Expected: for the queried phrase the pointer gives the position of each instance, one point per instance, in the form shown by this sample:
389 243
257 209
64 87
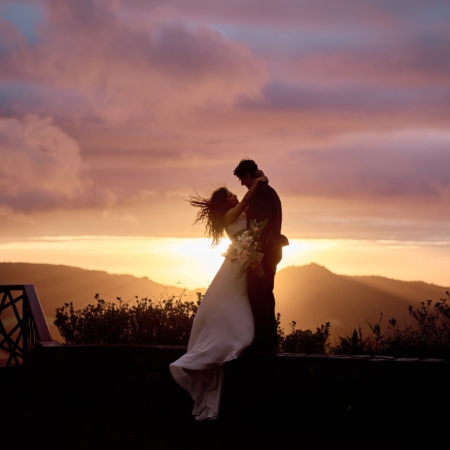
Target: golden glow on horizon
192 263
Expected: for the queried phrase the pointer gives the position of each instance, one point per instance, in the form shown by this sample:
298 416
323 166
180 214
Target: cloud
118 73
341 99
8 215
41 165
408 164
346 107
394 59
283 13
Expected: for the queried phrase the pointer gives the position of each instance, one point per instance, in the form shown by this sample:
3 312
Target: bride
223 326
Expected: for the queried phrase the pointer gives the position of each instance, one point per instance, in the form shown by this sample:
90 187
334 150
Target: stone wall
260 386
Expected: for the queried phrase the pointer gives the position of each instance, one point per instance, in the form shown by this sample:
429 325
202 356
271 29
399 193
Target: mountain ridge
310 295
346 301
59 284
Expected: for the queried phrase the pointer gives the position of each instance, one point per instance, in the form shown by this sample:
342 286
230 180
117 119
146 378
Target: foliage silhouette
304 341
162 321
169 321
428 337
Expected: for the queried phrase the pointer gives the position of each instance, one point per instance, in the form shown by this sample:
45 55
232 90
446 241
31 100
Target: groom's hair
246 166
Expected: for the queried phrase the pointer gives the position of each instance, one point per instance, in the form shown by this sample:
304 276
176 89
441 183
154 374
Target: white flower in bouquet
246 248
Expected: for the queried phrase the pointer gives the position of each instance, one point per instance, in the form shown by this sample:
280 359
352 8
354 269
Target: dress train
223 327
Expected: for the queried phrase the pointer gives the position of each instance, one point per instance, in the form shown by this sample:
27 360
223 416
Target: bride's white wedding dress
223 327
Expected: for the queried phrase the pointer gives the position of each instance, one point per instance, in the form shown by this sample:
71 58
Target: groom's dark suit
265 204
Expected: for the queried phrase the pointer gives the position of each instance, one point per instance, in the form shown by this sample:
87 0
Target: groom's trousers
262 301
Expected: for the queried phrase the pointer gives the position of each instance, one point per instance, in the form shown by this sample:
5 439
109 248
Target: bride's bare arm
232 214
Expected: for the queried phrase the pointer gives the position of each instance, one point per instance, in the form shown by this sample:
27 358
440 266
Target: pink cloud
123 73
41 166
375 168
310 14
161 98
400 60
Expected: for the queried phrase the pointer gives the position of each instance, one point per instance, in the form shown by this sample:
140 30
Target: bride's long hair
211 212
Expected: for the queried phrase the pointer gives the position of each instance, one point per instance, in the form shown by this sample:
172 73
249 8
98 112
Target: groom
265 204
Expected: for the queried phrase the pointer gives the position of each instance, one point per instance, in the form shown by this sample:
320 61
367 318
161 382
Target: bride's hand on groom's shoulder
261 177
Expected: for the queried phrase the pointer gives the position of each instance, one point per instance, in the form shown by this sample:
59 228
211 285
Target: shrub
428 337
169 321
145 321
304 341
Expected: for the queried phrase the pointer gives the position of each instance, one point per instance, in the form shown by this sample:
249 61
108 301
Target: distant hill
57 284
312 295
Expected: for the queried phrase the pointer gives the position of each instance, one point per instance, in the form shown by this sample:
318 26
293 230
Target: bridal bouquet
246 249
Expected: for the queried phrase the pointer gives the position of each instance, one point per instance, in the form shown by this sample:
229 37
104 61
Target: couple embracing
237 312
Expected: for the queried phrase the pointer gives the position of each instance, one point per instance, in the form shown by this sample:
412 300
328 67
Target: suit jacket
265 204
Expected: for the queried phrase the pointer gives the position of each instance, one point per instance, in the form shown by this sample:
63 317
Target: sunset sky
113 112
